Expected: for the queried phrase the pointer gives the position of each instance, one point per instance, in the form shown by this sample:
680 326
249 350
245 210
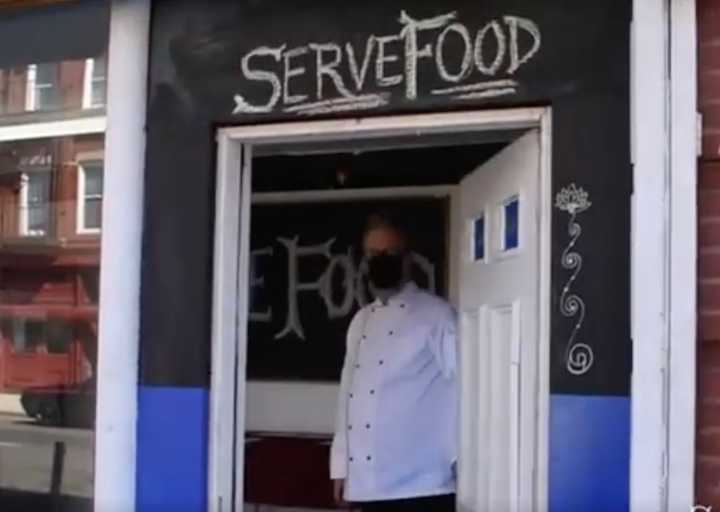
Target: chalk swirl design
579 356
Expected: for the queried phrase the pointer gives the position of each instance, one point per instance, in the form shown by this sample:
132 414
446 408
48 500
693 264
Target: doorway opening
291 203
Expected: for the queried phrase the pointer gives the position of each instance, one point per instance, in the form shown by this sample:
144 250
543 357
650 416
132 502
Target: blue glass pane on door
479 239
512 224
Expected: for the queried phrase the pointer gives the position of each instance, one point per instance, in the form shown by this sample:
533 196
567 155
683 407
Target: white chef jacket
396 425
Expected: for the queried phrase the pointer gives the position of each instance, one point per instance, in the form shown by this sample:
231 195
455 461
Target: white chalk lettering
241 106
410 34
291 72
341 284
365 101
328 68
500 51
494 50
343 263
295 252
359 75
467 54
529 26
382 59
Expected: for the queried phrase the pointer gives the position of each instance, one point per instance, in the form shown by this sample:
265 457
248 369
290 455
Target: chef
394 447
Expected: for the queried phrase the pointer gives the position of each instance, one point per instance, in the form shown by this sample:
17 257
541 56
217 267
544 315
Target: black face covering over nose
386 270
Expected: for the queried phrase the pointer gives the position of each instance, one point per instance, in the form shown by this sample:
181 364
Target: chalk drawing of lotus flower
572 199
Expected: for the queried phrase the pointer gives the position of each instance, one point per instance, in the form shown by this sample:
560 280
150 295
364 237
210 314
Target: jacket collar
402 297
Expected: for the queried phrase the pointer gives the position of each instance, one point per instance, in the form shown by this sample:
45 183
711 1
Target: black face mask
386 270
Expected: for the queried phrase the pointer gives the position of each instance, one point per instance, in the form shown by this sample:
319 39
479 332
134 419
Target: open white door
498 304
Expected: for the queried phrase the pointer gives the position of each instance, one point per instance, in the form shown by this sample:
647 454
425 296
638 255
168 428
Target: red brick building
50 218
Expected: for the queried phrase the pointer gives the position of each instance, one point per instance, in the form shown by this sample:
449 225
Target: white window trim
31 88
80 227
87 100
50 129
23 220
30 79
24 209
87 83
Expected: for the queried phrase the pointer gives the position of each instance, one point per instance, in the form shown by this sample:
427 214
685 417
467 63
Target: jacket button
381 362
351 459
351 395
402 305
391 333
372 391
367 426
369 457
357 366
349 427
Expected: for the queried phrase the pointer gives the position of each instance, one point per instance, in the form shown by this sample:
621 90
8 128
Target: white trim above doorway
233 200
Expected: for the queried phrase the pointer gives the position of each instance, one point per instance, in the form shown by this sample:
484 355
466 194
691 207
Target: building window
43 87
27 334
35 203
95 83
90 186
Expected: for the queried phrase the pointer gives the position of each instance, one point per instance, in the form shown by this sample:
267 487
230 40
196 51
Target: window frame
82 197
24 205
89 81
31 88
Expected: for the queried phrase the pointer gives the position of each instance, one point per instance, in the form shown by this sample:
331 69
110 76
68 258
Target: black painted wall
581 70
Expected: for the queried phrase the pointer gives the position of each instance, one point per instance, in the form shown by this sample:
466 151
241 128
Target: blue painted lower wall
589 453
172 449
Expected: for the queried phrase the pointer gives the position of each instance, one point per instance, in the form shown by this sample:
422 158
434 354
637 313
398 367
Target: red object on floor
288 471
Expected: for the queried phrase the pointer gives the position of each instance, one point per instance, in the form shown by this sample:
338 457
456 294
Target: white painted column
683 254
649 254
664 251
115 451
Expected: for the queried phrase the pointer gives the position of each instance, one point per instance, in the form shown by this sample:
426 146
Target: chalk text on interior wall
338 266
345 77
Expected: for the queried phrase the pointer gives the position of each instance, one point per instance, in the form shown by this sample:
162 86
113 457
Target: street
26 457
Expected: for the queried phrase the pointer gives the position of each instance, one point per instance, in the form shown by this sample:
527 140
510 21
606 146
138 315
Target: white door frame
229 317
663 254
